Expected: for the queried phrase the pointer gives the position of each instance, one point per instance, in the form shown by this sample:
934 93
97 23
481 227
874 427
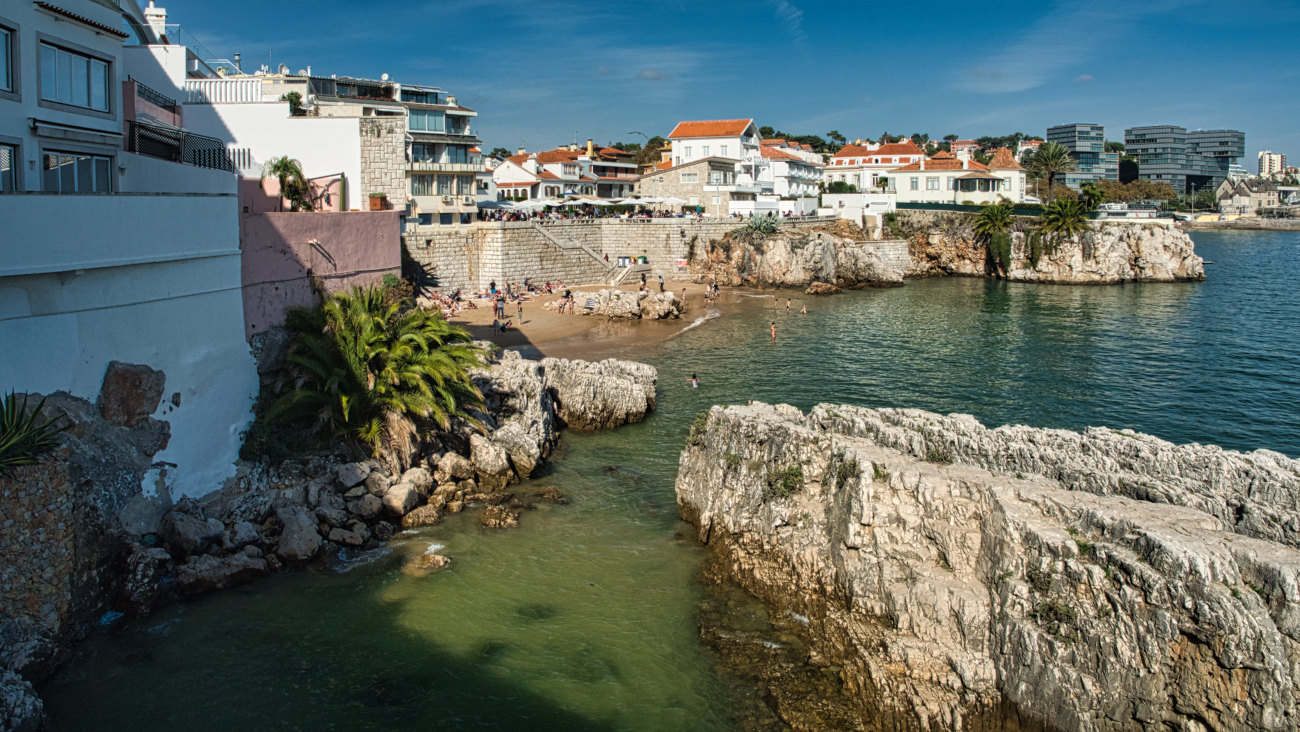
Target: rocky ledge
624 305
794 258
968 578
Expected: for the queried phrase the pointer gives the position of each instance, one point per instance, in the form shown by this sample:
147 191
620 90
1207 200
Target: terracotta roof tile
941 164
772 141
943 155
711 128
1003 159
906 147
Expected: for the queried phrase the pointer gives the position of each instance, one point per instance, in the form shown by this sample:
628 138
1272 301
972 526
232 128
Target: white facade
108 255
566 171
946 179
1271 162
864 165
789 174
734 139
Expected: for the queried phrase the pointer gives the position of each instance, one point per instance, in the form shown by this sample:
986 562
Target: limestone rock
143 583
349 538
490 463
377 483
21 710
604 395
955 574
401 499
351 474
241 534
367 506
551 494
455 506
335 517
792 258
523 451
500 517
382 531
130 393
353 494
420 479
422 516
187 535
453 467
423 565
300 540
661 306
492 499
204 573
821 288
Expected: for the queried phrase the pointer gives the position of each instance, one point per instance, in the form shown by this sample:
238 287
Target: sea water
584 617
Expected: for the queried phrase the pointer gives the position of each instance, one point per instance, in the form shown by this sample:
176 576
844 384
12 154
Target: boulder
188 535
241 534
420 479
299 541
598 396
492 499
351 474
522 450
401 499
422 516
354 493
454 467
204 573
348 538
143 583
367 506
21 710
383 531
332 516
377 483
822 288
455 506
424 564
130 393
465 487
551 494
491 465
499 517
660 306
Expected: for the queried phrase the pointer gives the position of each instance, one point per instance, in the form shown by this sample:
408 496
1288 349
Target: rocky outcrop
625 305
791 258
600 396
967 578
945 243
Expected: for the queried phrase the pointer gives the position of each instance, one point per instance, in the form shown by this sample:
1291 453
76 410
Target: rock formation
625 305
976 579
792 258
944 243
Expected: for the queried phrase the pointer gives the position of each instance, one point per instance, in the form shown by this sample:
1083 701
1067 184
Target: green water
584 617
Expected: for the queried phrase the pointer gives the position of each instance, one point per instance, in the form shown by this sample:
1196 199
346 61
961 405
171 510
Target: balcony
475 165
178 146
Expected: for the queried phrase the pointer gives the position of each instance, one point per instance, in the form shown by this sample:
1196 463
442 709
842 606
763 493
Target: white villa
735 139
566 171
791 176
864 165
948 179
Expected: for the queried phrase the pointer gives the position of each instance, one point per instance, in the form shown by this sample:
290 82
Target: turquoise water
584 617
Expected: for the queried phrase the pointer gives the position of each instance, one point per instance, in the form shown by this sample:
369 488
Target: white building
566 171
1271 162
788 174
735 139
948 179
1026 147
863 166
121 234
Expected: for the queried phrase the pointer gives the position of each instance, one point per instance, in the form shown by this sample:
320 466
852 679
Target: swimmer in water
787 306
805 309
773 330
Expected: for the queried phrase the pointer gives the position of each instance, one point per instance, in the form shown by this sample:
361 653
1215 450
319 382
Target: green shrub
784 482
878 473
1056 616
1039 581
941 455
25 438
847 470
732 460
1000 250
698 428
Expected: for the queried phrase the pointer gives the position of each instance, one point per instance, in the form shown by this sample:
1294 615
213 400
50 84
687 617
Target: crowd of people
610 212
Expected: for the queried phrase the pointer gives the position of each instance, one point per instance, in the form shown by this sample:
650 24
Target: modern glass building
1184 160
1087 145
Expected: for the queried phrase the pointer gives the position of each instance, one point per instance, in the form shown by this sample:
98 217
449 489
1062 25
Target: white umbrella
673 201
649 201
495 204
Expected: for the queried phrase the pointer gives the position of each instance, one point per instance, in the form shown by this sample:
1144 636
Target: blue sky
540 72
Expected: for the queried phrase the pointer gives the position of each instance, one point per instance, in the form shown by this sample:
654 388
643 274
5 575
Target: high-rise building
1185 160
1271 162
1087 145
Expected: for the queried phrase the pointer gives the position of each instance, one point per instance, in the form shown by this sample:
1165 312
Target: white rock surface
1081 581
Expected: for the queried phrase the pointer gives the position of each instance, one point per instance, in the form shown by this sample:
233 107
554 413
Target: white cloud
793 19
651 75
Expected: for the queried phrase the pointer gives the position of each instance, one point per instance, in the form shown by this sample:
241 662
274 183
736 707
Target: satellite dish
284 70
302 72
384 77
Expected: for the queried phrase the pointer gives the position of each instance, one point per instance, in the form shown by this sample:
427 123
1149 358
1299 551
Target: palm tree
367 370
1051 160
293 184
1092 195
993 222
1065 217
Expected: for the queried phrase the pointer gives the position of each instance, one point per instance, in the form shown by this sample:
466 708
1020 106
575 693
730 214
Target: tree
993 222
1065 217
886 138
920 139
1051 160
840 186
1138 190
24 436
767 133
649 155
293 184
499 153
950 138
372 371
1092 195
1114 146
836 137
295 103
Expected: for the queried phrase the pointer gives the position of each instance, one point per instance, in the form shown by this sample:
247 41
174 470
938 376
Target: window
687 152
690 177
6 60
422 185
706 151
721 151
8 168
932 183
426 219
570 169
70 78
464 185
444 219
426 120
467 218
916 183
952 183
424 153
76 173
721 177
445 184
457 125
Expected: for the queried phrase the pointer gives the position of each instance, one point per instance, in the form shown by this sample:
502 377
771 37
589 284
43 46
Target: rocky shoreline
963 578
270 518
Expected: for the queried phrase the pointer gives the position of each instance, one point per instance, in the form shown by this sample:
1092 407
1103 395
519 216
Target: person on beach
683 295
661 283
773 330
496 327
521 312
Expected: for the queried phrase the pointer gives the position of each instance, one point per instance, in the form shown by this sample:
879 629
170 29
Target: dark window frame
15 93
17 144
110 91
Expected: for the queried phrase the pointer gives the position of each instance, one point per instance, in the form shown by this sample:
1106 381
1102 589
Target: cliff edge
964 578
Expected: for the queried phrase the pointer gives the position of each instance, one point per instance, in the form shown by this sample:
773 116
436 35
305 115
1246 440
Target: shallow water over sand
585 616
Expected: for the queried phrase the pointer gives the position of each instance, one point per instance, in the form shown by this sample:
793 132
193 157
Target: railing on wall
153 97
226 91
178 146
965 209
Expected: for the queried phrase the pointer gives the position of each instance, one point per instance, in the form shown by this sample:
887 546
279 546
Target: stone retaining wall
37 543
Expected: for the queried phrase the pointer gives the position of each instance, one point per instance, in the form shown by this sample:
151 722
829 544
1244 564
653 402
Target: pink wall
283 252
263 195
133 105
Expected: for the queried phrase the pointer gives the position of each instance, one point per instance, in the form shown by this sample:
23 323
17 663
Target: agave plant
367 369
1065 217
24 436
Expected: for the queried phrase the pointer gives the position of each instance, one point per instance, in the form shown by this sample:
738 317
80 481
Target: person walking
521 312
661 283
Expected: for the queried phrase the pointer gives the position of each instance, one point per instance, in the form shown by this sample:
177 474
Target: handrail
572 245
178 146
153 97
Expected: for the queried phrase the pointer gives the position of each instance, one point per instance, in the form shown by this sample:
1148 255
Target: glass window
6 59
71 78
76 173
706 151
687 152
8 168
467 218
464 185
445 184
422 185
916 184
424 153
723 151
690 177
426 219
444 219
932 183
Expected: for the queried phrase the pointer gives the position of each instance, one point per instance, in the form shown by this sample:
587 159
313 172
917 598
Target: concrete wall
284 252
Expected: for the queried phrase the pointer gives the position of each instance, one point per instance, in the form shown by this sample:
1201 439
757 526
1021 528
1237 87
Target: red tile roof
772 141
906 147
779 154
1003 159
943 155
82 19
942 164
711 128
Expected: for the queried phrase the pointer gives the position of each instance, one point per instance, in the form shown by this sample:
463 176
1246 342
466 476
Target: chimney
591 149
237 64
521 151
922 163
451 101
157 19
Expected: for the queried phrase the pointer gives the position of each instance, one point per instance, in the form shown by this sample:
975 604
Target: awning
74 133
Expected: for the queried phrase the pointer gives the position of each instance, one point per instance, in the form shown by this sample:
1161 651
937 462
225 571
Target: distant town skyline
546 73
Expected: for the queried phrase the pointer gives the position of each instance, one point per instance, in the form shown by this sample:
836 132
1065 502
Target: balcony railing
226 91
153 97
475 165
178 146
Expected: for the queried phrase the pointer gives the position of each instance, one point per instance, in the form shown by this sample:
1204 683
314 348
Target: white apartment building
789 174
121 234
1025 147
566 171
949 179
864 165
1271 162
735 139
